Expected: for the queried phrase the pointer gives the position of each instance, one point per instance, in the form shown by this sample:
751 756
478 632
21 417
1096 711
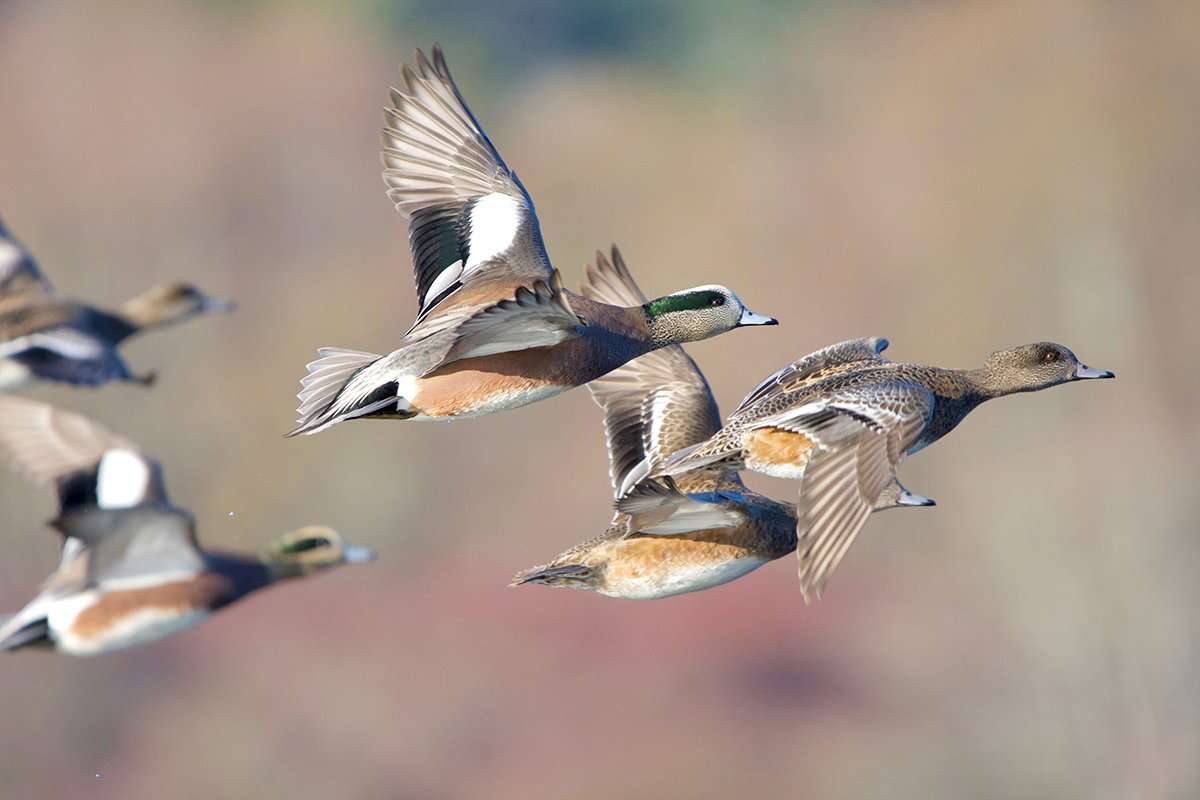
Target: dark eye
1050 356
718 300
304 545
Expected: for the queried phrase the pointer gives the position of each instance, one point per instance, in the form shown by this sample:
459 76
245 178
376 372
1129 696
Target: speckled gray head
1038 366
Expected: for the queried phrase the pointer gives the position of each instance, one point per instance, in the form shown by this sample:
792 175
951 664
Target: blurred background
957 176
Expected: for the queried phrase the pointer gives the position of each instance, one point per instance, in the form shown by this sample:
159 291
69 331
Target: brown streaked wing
840 354
657 403
864 436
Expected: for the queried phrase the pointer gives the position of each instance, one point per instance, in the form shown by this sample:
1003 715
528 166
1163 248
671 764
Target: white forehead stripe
495 219
122 479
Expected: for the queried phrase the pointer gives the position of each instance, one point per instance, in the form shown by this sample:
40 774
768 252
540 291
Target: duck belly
75 634
149 609
471 390
778 453
647 568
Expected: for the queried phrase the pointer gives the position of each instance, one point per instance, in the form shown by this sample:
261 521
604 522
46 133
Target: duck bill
356 554
214 306
1083 372
908 498
750 318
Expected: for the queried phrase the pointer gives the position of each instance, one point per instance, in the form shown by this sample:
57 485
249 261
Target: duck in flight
842 419
667 538
46 337
495 328
130 570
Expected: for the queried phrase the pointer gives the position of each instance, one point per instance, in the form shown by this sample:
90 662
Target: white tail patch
495 219
122 480
10 257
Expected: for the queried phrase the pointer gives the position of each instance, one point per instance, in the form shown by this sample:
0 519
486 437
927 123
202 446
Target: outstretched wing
472 227
86 463
537 317
135 543
810 366
19 273
655 404
860 437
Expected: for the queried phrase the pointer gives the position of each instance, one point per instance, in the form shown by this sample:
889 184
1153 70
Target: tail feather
321 404
17 632
560 575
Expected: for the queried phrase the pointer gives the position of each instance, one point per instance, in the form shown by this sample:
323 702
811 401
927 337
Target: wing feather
470 218
806 368
862 435
57 448
654 405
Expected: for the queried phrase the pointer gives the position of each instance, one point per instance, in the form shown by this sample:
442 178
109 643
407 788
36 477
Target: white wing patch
495 219
63 341
660 405
122 480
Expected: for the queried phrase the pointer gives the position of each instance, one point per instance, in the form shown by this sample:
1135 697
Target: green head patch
300 543
685 301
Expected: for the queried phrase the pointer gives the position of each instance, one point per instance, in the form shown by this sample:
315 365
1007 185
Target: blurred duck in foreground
43 336
841 421
131 570
667 538
495 329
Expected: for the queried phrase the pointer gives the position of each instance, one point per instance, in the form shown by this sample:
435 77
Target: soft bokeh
957 176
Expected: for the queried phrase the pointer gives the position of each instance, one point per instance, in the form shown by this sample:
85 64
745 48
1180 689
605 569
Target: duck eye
304 545
717 300
1050 356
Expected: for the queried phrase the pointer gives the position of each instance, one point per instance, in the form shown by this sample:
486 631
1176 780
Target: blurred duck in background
495 329
667 538
131 570
841 421
45 337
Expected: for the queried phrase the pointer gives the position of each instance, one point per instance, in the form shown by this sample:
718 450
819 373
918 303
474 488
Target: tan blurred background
959 177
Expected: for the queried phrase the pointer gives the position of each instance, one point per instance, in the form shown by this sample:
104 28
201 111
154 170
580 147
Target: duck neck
282 570
147 311
247 574
983 384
